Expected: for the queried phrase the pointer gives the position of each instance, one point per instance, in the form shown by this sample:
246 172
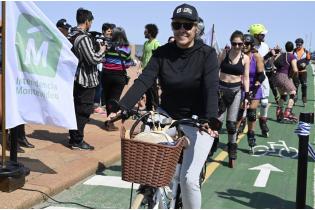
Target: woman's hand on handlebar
211 132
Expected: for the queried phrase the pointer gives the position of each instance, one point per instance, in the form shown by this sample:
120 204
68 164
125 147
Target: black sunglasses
247 43
234 44
186 26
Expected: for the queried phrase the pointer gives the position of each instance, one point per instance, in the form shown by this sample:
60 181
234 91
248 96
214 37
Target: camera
99 39
277 50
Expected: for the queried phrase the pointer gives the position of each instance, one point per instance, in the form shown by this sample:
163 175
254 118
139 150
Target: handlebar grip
123 115
116 118
215 124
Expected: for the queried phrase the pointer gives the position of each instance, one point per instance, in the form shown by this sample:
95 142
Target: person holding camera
114 76
86 77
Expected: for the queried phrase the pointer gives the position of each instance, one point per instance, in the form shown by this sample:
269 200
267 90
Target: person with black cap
303 59
63 26
188 72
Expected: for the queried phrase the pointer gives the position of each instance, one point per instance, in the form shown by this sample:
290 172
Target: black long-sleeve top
189 80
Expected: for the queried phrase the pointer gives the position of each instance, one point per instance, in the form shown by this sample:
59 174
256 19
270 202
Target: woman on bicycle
234 66
256 77
188 73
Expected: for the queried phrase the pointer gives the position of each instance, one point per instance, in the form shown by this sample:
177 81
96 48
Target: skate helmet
299 40
249 39
257 29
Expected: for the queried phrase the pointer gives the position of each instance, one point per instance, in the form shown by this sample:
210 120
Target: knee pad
284 97
264 102
251 115
231 127
240 114
292 96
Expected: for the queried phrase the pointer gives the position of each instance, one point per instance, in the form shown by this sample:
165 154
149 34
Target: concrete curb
54 167
23 199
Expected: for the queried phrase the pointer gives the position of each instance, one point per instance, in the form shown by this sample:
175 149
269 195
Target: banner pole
4 136
212 32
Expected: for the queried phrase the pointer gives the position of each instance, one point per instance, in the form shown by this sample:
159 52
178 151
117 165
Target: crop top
234 69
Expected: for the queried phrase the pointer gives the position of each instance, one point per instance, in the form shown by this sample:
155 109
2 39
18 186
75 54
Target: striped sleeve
88 53
126 55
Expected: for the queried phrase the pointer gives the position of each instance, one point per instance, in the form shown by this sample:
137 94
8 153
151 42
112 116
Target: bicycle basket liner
154 137
148 163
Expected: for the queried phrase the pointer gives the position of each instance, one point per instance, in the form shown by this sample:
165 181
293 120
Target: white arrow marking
264 173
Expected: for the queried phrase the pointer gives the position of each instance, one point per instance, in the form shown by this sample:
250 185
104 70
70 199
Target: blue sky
285 21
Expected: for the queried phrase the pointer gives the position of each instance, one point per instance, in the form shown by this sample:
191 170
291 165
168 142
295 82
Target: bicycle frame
161 198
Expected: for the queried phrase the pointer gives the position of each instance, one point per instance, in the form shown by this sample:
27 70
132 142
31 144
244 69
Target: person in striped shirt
86 77
114 75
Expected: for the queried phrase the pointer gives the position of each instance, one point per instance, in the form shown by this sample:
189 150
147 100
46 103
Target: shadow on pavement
114 168
257 200
98 123
36 165
45 135
223 163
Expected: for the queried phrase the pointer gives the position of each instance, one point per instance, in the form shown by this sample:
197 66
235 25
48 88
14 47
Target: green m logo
38 48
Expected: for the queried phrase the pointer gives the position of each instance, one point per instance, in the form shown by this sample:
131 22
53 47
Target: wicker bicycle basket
148 163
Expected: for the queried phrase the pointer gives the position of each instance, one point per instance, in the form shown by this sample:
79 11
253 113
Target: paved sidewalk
55 167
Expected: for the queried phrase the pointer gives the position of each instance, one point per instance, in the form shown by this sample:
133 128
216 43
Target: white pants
194 157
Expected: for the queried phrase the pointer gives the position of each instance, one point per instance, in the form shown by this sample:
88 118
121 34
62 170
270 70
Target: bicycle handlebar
124 114
213 123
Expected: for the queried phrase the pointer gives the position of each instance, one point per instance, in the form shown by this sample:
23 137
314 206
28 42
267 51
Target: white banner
40 69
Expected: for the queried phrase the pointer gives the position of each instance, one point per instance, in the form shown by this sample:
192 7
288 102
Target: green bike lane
225 187
265 186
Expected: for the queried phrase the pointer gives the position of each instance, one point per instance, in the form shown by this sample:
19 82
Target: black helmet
299 40
249 39
201 27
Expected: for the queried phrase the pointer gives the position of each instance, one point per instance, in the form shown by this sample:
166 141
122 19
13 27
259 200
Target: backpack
268 66
281 61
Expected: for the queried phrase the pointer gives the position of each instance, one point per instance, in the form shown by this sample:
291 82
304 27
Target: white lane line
110 181
59 207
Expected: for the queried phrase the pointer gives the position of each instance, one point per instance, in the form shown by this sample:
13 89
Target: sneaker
81 146
99 110
110 126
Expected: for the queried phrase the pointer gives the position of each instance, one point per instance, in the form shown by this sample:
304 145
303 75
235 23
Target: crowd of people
182 78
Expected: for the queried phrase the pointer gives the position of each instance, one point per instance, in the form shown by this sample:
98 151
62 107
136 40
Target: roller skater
234 66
